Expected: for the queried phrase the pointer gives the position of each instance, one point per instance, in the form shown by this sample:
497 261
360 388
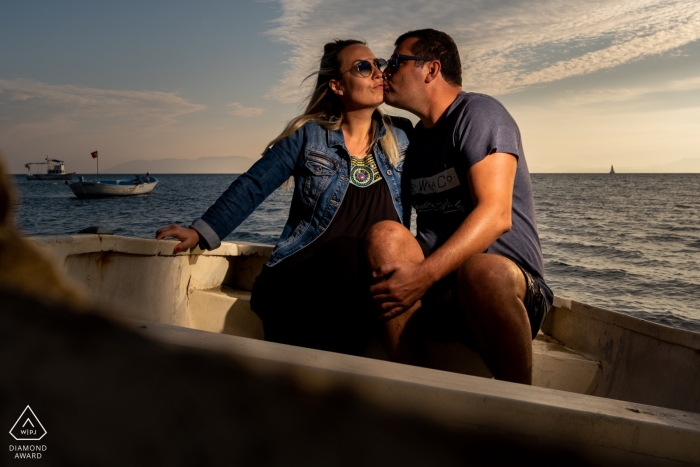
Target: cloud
600 96
505 46
240 110
32 102
290 28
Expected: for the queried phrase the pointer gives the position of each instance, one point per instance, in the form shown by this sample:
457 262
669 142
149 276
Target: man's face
404 85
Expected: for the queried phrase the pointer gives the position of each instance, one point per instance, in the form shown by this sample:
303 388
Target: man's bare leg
491 292
389 241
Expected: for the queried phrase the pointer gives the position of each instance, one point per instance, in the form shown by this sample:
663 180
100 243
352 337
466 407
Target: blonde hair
325 108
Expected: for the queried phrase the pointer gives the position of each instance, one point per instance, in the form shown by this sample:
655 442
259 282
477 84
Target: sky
590 84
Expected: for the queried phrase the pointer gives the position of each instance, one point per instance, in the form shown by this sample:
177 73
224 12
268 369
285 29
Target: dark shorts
535 301
442 320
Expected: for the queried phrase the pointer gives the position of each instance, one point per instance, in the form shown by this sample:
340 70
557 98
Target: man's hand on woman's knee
398 286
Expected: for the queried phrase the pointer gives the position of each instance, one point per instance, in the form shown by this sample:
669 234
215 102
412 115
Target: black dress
319 297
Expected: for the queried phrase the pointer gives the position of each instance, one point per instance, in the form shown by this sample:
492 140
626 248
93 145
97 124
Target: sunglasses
394 60
363 68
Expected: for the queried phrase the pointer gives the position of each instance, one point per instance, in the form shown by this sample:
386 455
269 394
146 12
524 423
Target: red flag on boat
93 154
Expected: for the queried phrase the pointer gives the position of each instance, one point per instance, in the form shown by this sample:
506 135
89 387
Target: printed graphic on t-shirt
435 184
443 206
439 193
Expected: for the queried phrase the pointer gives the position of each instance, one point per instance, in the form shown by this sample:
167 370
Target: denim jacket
319 162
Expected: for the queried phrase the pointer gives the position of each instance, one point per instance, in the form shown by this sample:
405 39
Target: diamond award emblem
28 427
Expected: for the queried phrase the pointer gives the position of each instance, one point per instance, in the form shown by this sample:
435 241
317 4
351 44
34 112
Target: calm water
625 242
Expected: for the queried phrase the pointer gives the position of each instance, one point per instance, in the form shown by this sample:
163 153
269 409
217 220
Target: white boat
51 169
105 188
610 386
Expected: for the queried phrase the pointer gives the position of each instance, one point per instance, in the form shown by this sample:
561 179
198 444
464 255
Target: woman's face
356 91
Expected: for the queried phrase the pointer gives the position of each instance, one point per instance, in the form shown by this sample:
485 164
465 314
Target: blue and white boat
104 188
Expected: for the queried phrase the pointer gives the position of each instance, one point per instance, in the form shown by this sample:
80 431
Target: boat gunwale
93 243
259 349
662 332
468 397
118 182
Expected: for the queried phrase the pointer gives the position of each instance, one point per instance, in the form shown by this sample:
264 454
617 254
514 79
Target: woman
346 159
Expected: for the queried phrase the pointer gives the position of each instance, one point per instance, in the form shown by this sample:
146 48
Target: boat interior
610 387
581 349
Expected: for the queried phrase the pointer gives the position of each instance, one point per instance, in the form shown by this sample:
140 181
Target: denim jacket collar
336 137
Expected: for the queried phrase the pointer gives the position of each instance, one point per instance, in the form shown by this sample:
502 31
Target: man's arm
491 182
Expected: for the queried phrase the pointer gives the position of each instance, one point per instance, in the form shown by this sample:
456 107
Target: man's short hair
438 46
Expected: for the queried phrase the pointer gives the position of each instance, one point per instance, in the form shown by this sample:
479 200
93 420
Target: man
474 272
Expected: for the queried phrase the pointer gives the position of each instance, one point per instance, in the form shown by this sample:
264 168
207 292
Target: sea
625 242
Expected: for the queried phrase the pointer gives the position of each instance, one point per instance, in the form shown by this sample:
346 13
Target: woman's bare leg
389 241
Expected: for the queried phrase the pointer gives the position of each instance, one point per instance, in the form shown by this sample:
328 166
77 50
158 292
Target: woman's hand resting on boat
188 237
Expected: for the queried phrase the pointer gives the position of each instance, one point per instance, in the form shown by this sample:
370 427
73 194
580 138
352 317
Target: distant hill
203 165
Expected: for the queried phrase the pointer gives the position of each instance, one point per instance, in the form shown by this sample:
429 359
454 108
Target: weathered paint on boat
618 388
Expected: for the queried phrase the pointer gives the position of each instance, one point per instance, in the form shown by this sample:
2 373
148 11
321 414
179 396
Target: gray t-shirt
437 165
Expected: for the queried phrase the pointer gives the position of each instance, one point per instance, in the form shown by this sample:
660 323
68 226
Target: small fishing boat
612 171
105 188
51 169
615 388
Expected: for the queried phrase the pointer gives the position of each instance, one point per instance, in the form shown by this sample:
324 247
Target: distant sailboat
612 171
